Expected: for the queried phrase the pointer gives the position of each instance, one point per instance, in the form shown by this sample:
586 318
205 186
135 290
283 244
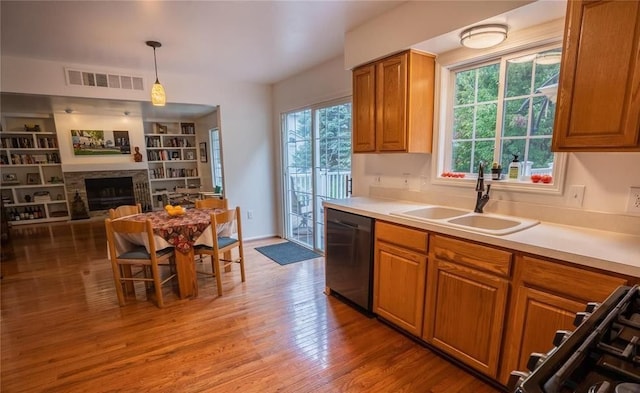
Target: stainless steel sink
434 213
486 223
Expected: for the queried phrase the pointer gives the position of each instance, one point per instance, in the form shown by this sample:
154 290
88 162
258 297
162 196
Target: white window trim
445 115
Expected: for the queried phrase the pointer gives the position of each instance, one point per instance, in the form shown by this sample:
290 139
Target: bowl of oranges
175 211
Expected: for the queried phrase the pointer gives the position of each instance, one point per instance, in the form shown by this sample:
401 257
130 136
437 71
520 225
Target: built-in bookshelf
32 187
172 157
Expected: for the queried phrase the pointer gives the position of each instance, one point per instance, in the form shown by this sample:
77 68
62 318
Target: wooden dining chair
224 243
150 261
124 210
212 203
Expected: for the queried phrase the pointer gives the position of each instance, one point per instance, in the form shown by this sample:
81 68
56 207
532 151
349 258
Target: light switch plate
633 203
575 196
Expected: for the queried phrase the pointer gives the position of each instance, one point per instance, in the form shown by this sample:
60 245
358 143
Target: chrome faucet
481 200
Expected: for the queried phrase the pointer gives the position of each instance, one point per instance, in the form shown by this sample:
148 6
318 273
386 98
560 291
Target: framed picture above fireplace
100 142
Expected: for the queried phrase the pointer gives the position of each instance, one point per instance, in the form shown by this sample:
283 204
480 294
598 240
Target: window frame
443 137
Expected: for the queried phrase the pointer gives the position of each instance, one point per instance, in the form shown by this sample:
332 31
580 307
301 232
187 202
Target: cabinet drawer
572 282
484 258
406 237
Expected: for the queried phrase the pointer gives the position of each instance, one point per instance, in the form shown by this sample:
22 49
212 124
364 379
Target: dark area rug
286 253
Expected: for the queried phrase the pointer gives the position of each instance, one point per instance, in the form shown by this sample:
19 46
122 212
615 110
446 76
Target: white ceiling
255 41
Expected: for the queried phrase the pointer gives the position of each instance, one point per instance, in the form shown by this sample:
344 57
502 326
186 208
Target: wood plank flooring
63 331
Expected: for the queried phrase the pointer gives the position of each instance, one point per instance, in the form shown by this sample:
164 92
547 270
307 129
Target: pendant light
483 36
158 97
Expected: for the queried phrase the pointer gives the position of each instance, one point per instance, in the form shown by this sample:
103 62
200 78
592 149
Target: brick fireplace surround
74 181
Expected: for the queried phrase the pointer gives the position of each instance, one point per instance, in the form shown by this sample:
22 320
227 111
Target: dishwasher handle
344 223
348 220
350 225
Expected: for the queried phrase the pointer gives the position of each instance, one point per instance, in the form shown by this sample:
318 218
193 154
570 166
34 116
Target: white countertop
611 251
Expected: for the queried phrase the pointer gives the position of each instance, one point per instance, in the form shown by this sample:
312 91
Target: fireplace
109 192
76 183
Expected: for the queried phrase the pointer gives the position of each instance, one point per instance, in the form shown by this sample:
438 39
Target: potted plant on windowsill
496 171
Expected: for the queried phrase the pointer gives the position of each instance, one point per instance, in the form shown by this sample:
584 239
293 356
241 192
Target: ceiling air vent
103 79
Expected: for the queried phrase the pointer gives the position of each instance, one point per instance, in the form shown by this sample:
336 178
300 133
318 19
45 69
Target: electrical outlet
633 204
250 214
405 180
377 179
575 196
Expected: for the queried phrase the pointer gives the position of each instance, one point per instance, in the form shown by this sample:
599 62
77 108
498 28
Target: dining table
182 232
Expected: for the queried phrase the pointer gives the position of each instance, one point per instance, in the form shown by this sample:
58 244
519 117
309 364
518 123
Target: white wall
203 125
246 123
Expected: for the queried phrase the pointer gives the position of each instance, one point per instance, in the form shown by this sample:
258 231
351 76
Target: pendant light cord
155 63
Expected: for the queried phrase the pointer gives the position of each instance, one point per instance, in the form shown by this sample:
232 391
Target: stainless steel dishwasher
349 258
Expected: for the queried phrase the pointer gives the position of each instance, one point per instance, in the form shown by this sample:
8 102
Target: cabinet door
364 102
598 106
391 104
467 309
539 315
399 280
547 296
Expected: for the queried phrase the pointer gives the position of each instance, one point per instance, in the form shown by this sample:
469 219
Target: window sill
525 186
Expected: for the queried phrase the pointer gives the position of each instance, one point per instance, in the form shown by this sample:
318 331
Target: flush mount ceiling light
483 36
158 97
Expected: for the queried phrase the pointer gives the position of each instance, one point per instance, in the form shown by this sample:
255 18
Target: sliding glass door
317 167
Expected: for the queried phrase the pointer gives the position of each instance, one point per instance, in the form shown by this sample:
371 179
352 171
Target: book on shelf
41 196
188 128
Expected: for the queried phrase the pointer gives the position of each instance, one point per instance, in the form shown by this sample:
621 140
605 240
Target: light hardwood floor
63 331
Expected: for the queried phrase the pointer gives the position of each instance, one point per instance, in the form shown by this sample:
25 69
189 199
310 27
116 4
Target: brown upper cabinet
393 104
598 107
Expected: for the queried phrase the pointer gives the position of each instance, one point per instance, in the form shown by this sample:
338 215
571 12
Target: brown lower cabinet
467 291
400 271
487 307
546 297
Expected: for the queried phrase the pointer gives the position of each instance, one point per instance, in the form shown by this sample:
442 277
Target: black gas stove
600 356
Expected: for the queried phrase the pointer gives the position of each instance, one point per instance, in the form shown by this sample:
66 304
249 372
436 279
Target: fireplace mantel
108 167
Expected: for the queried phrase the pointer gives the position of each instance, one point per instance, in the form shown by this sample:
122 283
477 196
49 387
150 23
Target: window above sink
497 106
